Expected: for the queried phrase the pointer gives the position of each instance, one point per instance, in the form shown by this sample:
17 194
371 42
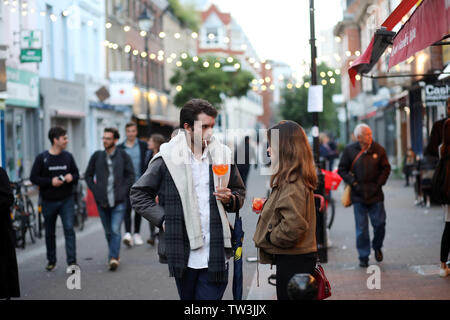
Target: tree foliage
187 14
294 105
211 83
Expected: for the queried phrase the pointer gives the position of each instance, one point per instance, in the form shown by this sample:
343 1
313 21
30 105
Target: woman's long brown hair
292 155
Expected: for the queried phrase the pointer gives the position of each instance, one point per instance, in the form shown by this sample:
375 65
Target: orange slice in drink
220 169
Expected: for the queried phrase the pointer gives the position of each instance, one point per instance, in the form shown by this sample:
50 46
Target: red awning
428 24
367 59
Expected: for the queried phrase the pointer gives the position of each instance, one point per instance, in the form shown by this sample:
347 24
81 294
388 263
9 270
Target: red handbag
323 285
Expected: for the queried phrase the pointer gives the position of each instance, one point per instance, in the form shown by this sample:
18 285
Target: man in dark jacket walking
364 165
136 149
195 237
114 175
56 173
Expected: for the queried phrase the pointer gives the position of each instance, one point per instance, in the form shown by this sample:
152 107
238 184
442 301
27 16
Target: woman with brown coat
286 230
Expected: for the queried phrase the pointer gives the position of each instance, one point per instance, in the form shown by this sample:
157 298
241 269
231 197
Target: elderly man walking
364 165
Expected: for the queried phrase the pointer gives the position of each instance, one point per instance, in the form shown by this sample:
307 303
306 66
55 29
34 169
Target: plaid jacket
173 246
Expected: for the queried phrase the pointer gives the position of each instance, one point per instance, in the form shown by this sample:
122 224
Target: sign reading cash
30 46
436 95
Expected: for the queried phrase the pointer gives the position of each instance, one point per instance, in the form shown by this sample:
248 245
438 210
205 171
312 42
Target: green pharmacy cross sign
30 46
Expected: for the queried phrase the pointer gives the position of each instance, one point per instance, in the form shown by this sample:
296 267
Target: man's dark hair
130 124
114 131
56 133
190 111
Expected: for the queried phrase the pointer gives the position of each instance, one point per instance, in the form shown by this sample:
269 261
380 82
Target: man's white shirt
198 259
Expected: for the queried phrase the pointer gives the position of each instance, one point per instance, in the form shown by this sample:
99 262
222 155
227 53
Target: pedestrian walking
365 167
56 174
154 143
409 163
436 135
244 156
114 174
136 149
286 229
9 273
195 236
326 151
441 191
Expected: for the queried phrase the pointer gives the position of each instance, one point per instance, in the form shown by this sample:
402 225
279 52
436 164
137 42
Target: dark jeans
288 266
194 285
127 218
445 243
377 216
112 220
50 211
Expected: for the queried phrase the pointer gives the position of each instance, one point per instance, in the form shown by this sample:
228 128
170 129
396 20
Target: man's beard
110 146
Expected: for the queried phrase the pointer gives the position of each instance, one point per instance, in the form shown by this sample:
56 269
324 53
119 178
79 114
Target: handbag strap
356 159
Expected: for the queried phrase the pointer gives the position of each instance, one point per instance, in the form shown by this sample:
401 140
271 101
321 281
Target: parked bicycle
23 214
332 181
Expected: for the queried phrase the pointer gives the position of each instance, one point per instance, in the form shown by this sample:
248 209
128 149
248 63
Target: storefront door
15 139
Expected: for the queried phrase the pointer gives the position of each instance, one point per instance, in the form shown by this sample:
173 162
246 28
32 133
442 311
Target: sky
279 29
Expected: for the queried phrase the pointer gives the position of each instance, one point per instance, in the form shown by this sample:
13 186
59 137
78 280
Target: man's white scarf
177 157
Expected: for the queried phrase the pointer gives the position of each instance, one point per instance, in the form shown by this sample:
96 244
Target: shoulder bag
346 198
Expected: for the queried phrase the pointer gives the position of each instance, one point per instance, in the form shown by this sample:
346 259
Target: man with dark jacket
136 149
364 165
114 175
195 237
56 173
436 135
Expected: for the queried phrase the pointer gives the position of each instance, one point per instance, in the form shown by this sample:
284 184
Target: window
49 42
212 36
131 9
65 49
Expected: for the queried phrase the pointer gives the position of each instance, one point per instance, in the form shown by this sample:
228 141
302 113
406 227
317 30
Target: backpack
440 189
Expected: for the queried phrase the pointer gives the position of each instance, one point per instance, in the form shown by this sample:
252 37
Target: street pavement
409 271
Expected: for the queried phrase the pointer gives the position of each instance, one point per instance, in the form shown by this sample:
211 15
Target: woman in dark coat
9 275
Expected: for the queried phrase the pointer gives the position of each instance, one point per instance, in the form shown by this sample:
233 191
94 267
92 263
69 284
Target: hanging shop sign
30 46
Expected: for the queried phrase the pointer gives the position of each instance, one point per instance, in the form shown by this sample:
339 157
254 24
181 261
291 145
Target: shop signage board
23 88
436 95
121 86
30 46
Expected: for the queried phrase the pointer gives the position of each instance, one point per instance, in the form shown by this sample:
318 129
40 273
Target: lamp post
146 20
321 234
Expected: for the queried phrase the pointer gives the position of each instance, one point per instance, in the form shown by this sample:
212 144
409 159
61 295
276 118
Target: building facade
130 49
20 115
221 35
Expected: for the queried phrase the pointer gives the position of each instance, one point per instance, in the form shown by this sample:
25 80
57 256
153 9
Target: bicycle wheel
23 229
32 221
330 213
16 229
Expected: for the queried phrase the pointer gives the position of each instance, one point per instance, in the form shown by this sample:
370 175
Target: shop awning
427 25
380 40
